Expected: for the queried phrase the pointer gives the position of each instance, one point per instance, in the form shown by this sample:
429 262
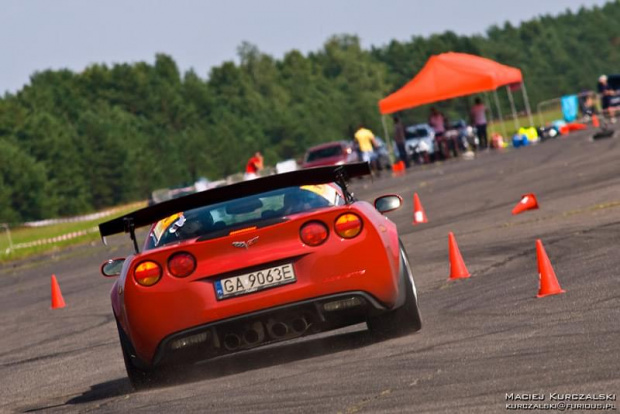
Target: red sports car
331 153
257 262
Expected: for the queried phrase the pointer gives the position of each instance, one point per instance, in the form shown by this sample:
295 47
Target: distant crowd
438 139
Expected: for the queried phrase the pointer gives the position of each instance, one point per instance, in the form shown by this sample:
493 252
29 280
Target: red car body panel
368 263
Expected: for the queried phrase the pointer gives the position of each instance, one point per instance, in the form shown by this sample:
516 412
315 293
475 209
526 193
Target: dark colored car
257 262
331 153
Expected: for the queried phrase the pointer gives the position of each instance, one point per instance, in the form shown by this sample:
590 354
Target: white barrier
56 239
87 217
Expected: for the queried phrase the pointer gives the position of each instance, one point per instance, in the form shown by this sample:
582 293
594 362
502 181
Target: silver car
420 138
420 143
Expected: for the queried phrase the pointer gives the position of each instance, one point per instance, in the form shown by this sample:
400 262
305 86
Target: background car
464 134
257 262
420 143
331 153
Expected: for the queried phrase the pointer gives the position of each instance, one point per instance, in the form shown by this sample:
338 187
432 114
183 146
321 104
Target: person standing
438 122
607 93
366 143
254 165
400 140
479 120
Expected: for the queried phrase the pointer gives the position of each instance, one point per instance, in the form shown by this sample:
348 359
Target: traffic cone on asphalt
57 300
528 202
548 282
398 168
595 121
419 216
458 270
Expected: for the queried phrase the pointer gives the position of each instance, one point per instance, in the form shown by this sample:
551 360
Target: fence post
8 234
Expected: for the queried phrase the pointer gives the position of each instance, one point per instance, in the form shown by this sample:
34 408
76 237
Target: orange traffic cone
458 270
547 280
528 202
57 300
398 168
595 121
419 216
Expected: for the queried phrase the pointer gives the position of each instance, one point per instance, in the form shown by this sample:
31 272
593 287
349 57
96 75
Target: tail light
147 273
348 225
314 233
181 264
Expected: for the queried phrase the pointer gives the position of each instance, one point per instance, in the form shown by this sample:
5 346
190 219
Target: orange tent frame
447 76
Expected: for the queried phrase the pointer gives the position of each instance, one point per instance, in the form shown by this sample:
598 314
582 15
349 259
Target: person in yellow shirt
366 142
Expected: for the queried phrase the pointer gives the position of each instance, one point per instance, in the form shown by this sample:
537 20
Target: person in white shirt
479 120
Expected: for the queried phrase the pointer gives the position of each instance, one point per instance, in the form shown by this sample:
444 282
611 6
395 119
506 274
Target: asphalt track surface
482 338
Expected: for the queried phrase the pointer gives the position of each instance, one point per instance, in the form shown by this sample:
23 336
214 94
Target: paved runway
483 338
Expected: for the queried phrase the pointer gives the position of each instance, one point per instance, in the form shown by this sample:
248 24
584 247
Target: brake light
147 273
314 233
181 264
348 225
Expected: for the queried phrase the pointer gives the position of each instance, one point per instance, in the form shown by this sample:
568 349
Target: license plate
255 281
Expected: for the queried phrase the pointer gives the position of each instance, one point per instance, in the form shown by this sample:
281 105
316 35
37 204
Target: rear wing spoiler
311 176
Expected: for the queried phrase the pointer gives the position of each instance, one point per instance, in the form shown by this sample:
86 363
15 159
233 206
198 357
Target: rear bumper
267 326
154 316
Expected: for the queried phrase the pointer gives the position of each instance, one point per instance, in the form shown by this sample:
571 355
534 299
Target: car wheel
139 378
405 319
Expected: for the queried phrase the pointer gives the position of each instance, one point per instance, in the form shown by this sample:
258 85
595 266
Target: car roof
422 125
328 144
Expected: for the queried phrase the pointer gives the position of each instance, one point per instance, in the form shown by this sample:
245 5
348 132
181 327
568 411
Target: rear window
416 133
327 152
222 218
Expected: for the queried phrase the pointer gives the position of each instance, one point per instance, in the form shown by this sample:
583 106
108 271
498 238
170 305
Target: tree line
74 142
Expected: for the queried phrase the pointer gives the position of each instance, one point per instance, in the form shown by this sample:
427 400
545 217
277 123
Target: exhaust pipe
276 329
299 325
255 334
232 341
250 337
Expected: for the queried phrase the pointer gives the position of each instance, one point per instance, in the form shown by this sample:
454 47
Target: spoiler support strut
341 178
130 228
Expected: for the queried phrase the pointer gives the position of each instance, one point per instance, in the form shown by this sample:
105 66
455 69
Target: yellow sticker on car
162 225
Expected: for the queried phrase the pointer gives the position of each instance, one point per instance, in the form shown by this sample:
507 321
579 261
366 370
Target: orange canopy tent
447 76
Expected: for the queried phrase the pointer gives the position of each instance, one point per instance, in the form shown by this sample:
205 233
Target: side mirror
112 267
388 203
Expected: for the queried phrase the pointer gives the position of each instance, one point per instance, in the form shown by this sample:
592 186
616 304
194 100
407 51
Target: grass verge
523 120
22 235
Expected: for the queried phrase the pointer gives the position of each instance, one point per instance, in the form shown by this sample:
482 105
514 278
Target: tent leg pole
526 99
499 111
512 107
388 140
488 105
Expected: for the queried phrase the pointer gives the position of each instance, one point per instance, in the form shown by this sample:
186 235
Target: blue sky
40 34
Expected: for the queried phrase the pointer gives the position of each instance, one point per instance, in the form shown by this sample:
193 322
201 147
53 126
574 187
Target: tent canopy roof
447 76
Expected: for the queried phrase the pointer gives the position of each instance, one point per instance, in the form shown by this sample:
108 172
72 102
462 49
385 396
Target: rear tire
139 378
405 319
